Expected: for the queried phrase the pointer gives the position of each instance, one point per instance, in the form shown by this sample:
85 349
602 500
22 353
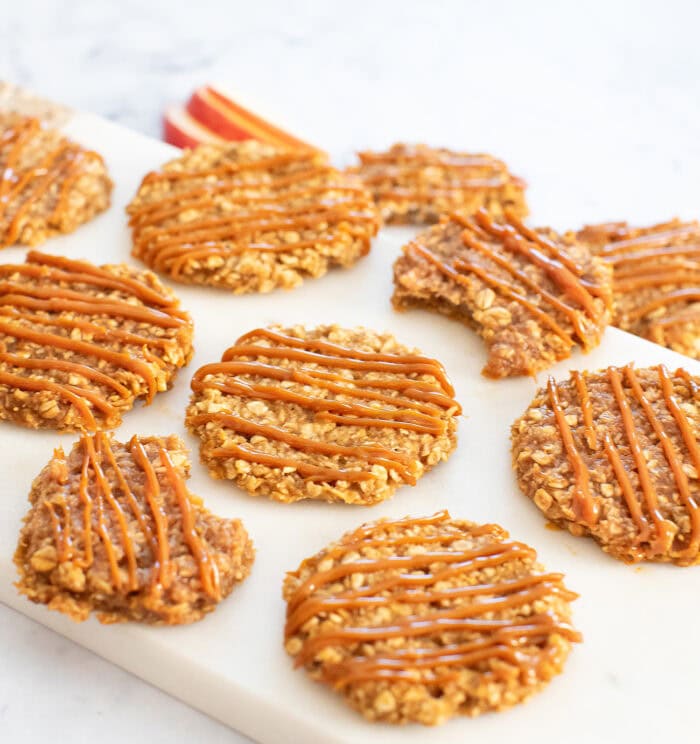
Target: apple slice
221 114
181 130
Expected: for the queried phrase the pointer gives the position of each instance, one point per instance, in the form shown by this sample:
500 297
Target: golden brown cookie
324 413
614 454
80 343
415 184
529 294
48 184
249 217
418 620
113 529
656 287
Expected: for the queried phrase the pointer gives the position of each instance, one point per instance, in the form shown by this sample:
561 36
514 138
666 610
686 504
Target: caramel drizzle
104 513
586 507
638 262
262 206
404 169
410 580
419 406
479 235
644 511
27 311
58 169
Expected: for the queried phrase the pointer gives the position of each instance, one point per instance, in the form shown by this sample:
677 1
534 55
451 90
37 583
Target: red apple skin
173 135
200 109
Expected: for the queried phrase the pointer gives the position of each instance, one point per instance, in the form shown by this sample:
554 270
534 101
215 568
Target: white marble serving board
634 677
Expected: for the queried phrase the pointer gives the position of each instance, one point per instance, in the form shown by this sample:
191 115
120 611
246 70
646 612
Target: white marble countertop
585 81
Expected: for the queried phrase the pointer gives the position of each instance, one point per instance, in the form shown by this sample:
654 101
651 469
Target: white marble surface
591 84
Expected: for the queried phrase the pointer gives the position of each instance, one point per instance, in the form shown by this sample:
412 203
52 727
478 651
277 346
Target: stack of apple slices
213 117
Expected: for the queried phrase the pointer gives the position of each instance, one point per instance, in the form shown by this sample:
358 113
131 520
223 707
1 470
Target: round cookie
80 343
418 620
614 454
249 217
325 413
113 529
415 184
48 184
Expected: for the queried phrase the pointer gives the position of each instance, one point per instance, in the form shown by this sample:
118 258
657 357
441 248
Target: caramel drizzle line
97 451
691 443
352 358
53 300
415 415
208 569
89 349
163 570
467 161
100 332
664 529
153 243
509 594
94 456
624 259
337 209
586 409
375 454
586 507
65 160
658 279
651 240
471 242
681 295
273 161
453 272
516 238
64 269
79 369
17 139
156 211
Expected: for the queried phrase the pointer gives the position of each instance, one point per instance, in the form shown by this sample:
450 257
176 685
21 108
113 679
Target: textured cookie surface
656 287
614 454
325 413
416 184
80 343
249 217
113 529
531 296
418 620
48 184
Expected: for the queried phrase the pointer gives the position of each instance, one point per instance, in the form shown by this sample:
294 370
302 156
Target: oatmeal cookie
418 620
415 184
48 184
528 293
614 454
250 217
656 280
113 529
324 413
80 343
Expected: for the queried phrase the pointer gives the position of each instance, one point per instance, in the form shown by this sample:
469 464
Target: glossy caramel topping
640 493
420 173
405 578
22 187
663 259
247 206
36 301
109 493
490 244
343 395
